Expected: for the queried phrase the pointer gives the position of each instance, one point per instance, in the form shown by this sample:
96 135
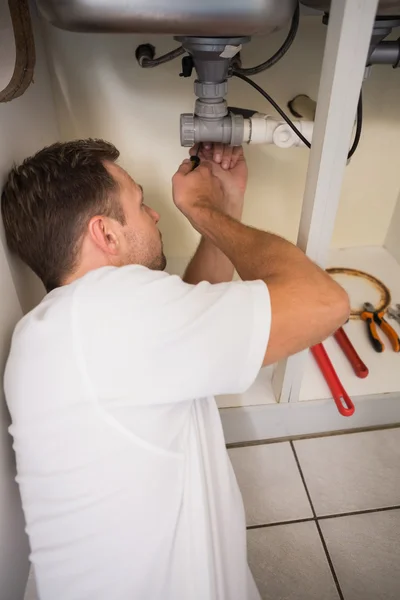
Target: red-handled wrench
359 368
340 396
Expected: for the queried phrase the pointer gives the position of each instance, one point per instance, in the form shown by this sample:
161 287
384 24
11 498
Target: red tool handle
359 368
342 400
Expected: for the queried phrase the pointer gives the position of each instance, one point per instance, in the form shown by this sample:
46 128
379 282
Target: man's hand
229 165
198 190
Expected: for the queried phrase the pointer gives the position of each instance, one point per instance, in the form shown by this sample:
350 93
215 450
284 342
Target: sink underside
175 17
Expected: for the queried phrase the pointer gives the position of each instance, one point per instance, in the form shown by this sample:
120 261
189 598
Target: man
126 485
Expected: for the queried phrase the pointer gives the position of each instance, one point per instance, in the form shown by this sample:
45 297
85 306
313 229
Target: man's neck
83 269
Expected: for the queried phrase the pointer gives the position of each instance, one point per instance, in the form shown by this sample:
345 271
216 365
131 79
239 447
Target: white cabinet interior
99 91
384 369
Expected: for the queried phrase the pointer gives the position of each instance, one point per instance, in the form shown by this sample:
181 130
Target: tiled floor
323 516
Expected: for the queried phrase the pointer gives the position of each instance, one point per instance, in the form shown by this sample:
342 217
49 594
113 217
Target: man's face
140 237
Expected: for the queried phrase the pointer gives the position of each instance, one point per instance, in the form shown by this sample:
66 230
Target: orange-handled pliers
373 318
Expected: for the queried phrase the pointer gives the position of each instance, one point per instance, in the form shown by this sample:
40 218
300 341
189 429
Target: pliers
373 318
394 313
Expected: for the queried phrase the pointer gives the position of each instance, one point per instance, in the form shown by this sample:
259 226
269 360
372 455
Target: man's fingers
222 154
185 167
237 154
227 157
205 163
194 149
218 152
204 151
207 151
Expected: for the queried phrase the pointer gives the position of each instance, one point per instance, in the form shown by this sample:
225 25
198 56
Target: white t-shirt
127 488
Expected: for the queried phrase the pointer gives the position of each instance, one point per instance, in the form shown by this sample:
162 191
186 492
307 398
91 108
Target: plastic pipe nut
283 137
210 90
187 130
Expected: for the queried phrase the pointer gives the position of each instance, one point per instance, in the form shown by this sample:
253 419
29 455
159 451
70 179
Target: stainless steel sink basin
184 17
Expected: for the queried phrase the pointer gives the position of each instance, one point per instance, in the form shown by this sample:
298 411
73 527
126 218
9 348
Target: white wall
392 242
100 91
14 544
26 124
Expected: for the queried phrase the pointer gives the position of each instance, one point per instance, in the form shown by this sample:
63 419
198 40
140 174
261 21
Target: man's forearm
209 263
254 253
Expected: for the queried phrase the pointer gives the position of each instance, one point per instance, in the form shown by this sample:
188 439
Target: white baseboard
271 421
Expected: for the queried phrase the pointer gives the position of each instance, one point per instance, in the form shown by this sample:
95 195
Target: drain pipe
236 130
386 53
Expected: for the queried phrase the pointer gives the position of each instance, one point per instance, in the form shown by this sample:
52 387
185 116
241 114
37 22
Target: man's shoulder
113 282
135 274
52 308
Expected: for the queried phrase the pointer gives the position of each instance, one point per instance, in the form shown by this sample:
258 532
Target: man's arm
307 304
209 263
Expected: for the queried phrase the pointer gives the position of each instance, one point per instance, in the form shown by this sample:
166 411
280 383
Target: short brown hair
48 201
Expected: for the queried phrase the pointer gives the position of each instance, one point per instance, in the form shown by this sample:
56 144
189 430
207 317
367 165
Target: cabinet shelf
384 369
384 376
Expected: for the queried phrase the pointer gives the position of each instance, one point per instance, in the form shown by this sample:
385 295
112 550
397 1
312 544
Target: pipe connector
263 129
210 90
228 129
210 110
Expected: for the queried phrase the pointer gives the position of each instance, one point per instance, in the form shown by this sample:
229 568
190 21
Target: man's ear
104 234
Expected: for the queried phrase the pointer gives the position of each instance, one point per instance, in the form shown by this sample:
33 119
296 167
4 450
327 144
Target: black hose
284 116
148 63
279 53
357 135
274 104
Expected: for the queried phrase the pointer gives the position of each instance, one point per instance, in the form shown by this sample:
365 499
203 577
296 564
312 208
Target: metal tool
342 400
374 318
394 313
359 368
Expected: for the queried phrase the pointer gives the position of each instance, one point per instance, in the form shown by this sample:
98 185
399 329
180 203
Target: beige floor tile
270 483
352 472
289 563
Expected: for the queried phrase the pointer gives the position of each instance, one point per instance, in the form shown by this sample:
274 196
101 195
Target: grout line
312 436
266 525
303 479
366 511
328 558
